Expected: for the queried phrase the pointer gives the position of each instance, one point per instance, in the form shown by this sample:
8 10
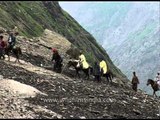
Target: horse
154 86
74 63
109 76
15 50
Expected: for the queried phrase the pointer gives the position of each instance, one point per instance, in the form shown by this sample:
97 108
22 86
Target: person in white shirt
158 78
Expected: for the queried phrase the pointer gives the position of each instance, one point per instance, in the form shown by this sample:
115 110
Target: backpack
10 39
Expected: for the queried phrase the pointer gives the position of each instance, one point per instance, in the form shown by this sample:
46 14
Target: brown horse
87 71
16 52
154 86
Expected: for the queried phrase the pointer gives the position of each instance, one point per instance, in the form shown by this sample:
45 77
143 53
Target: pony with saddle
155 86
74 64
16 51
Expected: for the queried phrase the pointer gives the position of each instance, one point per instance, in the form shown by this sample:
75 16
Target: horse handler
57 60
2 47
135 82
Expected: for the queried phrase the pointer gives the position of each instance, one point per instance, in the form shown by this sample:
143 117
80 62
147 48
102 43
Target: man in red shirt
2 47
57 60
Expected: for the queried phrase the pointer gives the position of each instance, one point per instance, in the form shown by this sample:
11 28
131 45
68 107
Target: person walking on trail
135 82
2 48
57 60
158 78
82 61
12 40
97 72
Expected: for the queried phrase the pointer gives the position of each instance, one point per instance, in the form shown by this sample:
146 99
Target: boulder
19 89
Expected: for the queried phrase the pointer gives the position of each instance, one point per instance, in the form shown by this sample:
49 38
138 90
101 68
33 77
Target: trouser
158 82
2 53
97 77
10 47
57 66
134 86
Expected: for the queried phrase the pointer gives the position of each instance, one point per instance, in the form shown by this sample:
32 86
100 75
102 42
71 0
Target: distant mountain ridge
129 32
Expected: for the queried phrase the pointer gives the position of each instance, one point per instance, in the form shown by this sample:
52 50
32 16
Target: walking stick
63 68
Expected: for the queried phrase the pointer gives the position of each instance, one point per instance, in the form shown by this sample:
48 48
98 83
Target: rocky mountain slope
62 96
129 31
33 17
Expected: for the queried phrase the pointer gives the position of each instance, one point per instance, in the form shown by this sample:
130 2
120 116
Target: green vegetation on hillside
32 17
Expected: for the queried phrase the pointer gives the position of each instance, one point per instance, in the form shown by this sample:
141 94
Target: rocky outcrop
17 88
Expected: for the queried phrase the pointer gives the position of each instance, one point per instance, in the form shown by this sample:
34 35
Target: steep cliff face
129 31
32 17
